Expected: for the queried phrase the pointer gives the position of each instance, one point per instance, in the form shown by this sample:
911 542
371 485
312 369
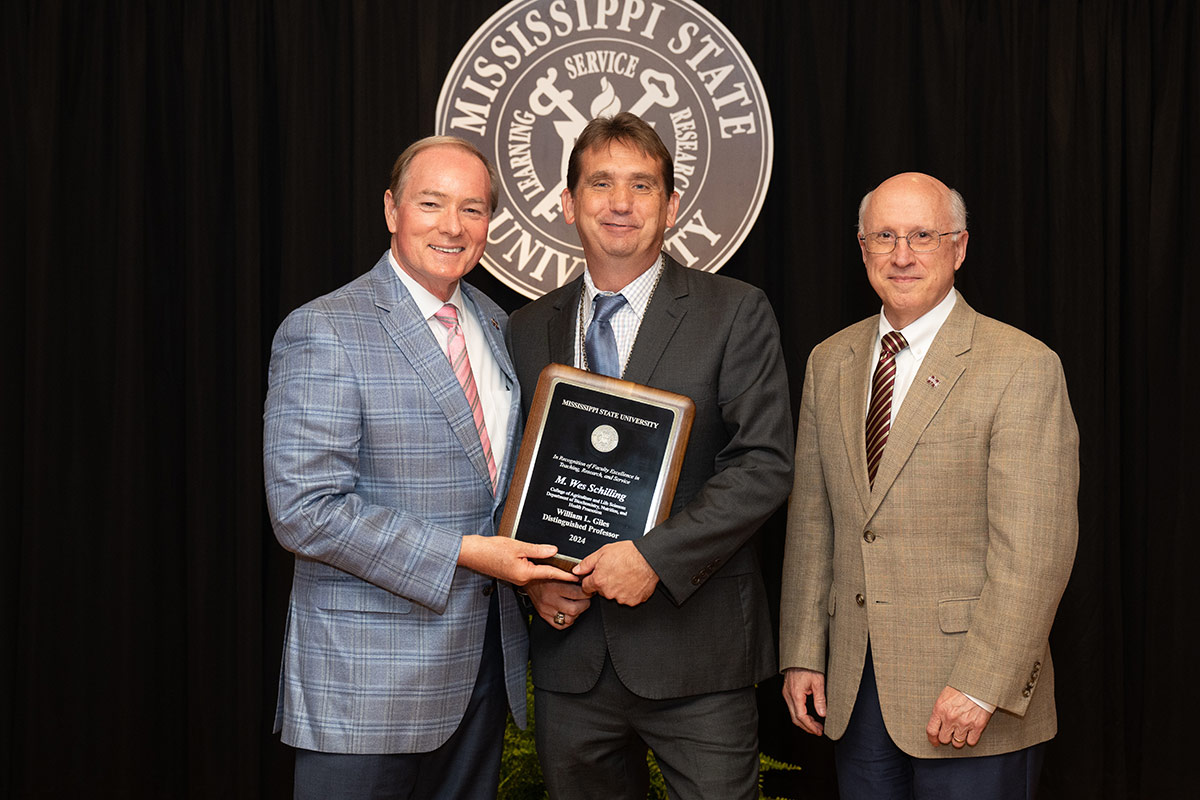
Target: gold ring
560 618
954 738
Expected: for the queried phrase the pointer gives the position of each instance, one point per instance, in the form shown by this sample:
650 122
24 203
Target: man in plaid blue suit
402 651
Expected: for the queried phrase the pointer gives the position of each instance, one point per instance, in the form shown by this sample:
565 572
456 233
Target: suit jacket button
858 598
487 590
869 537
696 581
1027 692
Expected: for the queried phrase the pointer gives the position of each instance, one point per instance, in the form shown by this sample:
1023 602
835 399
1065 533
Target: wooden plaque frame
599 462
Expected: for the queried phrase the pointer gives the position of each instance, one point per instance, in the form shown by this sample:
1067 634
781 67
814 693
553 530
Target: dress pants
466 767
871 767
592 746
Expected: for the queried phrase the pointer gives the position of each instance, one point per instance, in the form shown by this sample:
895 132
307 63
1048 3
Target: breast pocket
939 434
953 453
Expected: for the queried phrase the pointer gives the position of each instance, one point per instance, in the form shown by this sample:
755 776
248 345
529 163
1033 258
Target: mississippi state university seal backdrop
535 73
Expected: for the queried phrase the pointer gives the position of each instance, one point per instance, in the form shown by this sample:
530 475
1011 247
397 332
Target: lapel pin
495 324
933 381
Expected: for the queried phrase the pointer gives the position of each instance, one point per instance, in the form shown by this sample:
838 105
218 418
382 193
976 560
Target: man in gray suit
390 424
932 526
662 643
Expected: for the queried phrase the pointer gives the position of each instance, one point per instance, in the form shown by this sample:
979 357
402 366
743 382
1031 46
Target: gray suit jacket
706 628
374 472
954 564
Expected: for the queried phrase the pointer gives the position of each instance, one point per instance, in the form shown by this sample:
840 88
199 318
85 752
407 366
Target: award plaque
598 463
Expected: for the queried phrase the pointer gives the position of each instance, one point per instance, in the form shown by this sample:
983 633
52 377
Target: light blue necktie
600 344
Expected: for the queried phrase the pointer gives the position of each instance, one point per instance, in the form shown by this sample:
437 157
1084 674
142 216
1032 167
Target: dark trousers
592 746
466 767
871 767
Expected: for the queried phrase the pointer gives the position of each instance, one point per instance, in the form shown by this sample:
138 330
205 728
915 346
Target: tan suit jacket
954 564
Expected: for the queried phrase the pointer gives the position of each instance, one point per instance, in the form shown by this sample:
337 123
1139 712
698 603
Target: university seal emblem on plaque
605 438
534 74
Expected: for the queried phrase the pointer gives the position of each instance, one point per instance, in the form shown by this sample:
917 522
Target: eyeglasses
883 242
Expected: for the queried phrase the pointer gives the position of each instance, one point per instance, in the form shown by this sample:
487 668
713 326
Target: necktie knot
893 342
606 305
448 316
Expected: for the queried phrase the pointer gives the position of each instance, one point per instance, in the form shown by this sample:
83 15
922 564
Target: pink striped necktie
460 362
879 417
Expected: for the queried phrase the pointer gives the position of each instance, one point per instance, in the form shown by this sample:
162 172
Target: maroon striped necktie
879 417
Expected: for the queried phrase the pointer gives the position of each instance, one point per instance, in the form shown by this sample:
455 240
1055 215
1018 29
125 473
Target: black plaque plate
598 464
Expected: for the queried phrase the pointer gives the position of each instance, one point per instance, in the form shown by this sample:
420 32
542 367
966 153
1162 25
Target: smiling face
620 209
911 284
439 222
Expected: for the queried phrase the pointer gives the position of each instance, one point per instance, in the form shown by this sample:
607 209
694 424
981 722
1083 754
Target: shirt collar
921 332
637 292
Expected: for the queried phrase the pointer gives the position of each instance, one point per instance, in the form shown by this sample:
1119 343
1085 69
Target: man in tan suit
932 525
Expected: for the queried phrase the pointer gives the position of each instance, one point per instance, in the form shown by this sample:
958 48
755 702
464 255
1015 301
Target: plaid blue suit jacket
374 473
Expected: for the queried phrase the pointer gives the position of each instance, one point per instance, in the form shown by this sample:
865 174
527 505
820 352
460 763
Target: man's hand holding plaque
509 560
618 572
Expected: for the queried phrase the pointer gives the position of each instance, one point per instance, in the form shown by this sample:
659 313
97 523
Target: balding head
920 182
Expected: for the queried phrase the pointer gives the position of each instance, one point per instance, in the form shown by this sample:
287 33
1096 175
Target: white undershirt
495 391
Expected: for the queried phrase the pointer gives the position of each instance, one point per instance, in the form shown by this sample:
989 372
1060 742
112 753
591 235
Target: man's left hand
956 720
618 572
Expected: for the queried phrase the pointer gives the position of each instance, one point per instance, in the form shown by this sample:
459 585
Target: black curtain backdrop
177 176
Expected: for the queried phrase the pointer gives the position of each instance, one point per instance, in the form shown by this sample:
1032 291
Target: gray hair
958 211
